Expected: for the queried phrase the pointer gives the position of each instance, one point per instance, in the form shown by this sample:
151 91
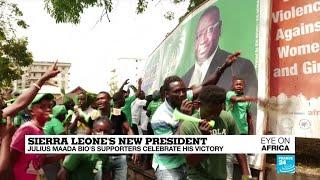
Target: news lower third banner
100 144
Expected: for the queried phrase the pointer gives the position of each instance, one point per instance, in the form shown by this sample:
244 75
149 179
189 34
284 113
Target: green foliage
169 15
141 6
193 4
69 11
13 51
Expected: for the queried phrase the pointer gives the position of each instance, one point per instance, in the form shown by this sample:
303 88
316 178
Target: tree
13 51
193 4
69 11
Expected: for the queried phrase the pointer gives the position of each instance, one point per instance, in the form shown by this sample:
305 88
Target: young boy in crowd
88 166
239 106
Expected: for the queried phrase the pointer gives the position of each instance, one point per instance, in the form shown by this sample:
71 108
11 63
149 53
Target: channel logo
286 164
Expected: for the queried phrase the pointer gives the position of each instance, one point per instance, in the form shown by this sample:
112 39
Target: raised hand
52 72
231 58
126 82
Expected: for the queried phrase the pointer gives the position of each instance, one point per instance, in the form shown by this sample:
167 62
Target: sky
93 48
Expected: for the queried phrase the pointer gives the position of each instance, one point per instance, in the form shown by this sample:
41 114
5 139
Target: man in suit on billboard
209 57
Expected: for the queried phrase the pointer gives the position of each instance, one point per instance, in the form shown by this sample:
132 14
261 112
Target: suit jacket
242 68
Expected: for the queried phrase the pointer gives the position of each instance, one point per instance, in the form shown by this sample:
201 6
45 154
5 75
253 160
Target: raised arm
133 88
235 99
139 87
214 78
25 99
6 133
124 83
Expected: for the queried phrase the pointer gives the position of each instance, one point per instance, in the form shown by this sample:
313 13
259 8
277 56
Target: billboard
200 44
179 52
295 67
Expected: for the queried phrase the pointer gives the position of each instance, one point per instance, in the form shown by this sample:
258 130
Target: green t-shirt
53 127
85 166
127 108
153 106
214 167
239 111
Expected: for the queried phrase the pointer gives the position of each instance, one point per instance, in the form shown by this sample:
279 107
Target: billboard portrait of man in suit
209 57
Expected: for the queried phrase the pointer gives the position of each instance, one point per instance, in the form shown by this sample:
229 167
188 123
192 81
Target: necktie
196 77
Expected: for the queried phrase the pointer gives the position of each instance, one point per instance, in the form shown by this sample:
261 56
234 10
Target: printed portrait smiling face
207 34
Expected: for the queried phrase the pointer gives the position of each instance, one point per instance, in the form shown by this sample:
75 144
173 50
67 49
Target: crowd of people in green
125 113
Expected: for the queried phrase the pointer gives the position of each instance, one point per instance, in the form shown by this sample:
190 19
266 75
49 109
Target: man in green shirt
88 166
55 126
126 109
239 106
213 166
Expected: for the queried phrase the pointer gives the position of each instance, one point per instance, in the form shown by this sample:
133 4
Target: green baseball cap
58 110
39 97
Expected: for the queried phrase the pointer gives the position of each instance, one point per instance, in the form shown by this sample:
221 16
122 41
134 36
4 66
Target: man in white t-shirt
136 111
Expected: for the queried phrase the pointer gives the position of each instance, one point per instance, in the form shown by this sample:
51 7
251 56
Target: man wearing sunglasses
209 57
